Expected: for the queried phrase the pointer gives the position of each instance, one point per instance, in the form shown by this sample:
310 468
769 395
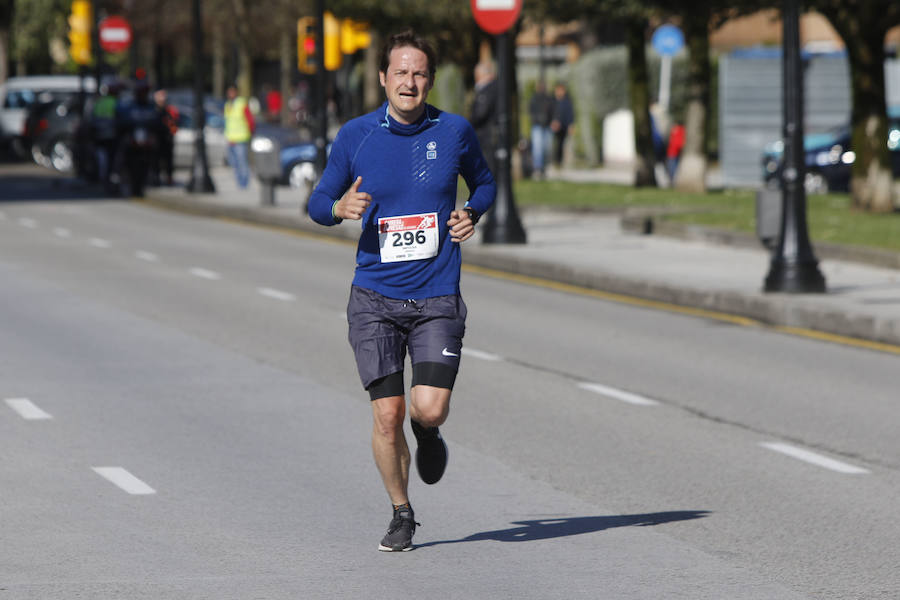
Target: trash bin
768 215
265 153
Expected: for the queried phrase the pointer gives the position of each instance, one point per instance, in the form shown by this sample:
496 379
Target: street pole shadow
544 529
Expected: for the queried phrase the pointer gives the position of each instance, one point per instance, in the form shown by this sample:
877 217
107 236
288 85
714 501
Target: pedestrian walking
563 118
673 150
103 133
540 109
168 114
396 170
483 115
239 127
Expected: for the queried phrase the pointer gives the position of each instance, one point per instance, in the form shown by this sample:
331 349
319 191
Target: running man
396 170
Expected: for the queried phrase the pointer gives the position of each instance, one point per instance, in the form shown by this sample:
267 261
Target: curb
650 224
793 311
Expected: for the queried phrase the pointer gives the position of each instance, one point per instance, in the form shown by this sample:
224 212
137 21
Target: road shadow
544 529
27 182
24 188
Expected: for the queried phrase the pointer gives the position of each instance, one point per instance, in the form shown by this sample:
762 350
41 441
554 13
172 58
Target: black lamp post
503 225
200 180
794 267
321 133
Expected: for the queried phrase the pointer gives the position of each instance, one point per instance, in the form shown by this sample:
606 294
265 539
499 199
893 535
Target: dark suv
828 157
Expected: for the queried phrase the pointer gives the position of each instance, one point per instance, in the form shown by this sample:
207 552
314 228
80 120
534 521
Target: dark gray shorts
382 329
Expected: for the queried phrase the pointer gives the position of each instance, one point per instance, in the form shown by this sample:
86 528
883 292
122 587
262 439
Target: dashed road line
618 394
814 458
276 294
99 243
481 355
62 232
27 409
205 273
28 223
146 256
124 480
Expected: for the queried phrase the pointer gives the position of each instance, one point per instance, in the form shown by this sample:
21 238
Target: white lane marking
276 294
813 458
26 222
2 216
480 354
124 480
27 409
618 394
147 256
100 243
62 232
205 274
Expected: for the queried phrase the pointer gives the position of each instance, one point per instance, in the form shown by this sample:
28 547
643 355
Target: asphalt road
180 417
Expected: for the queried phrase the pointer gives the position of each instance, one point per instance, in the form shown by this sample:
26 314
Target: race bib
409 237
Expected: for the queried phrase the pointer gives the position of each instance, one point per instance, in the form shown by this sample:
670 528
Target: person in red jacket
673 152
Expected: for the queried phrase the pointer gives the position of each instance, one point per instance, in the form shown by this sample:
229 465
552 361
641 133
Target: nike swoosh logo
446 352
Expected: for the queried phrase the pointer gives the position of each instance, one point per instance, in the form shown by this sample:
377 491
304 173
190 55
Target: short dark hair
412 39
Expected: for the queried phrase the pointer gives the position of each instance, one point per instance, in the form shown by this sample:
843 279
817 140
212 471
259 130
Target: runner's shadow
543 529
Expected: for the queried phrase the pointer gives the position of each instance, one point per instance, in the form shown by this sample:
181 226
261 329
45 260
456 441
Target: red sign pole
497 17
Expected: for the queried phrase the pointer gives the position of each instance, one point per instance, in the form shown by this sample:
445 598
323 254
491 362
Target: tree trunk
4 55
218 66
639 94
863 33
870 185
285 66
245 61
372 95
691 174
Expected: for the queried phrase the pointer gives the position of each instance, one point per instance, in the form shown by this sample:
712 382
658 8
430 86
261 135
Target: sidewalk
594 251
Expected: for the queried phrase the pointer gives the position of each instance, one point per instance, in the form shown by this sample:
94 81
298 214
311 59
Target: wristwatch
472 214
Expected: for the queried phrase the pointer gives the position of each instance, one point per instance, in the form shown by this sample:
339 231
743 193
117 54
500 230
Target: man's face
406 83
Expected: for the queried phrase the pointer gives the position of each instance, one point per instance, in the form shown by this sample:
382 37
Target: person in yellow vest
239 127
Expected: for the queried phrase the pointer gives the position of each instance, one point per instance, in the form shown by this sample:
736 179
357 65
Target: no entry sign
496 16
115 34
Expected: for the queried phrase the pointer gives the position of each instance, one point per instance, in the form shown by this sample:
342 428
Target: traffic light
80 22
342 36
306 45
333 56
354 36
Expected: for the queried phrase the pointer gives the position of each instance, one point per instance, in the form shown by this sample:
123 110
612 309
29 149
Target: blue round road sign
667 40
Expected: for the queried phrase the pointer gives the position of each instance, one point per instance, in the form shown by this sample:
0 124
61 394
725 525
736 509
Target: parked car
213 135
297 153
829 158
51 126
17 94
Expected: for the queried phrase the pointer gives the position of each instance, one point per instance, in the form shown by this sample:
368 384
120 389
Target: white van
18 93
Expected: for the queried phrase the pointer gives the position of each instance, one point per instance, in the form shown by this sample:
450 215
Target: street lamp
503 224
794 267
200 180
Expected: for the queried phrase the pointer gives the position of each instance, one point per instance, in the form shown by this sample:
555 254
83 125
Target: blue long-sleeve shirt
408 170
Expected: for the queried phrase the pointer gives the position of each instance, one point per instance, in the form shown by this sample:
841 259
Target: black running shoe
431 453
400 531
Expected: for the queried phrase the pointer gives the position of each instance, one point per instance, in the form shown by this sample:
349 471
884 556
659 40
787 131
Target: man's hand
461 226
353 203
